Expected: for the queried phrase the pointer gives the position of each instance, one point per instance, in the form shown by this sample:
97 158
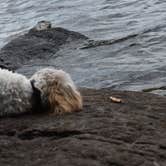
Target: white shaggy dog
48 89
58 92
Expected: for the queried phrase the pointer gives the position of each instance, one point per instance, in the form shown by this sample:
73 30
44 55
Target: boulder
36 44
131 133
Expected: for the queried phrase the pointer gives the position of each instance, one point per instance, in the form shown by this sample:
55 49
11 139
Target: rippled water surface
134 64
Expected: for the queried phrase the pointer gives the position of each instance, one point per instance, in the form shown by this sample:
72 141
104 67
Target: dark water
135 63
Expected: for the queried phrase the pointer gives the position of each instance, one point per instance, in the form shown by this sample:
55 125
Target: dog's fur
15 93
58 91
47 89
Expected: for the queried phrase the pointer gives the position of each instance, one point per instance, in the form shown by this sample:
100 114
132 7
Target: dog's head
57 90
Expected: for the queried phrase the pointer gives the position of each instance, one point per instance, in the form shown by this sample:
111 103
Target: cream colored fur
57 90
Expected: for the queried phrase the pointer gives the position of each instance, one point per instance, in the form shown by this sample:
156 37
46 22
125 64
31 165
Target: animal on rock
47 90
58 92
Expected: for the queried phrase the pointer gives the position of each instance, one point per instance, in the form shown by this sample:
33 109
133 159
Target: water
132 64
99 19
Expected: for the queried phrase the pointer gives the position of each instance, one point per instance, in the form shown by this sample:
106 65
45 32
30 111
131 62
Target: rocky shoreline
131 133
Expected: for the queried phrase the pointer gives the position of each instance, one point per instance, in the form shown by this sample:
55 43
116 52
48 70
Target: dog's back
15 93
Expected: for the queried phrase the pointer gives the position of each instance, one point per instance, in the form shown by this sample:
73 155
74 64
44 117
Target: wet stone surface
130 133
35 45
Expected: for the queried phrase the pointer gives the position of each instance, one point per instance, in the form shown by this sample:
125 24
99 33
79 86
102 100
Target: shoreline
129 133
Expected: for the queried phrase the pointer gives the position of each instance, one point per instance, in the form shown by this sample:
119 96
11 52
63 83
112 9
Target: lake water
133 64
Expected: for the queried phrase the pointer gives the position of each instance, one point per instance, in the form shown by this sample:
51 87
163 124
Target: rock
132 133
43 25
41 42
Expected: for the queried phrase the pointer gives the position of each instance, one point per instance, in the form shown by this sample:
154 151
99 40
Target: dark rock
132 133
35 45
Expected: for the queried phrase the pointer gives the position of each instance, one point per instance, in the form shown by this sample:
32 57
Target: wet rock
43 25
41 42
131 133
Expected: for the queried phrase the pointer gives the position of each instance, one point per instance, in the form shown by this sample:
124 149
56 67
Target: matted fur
57 90
15 93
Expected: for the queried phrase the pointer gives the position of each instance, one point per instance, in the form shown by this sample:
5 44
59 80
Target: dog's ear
41 99
45 102
35 89
36 98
